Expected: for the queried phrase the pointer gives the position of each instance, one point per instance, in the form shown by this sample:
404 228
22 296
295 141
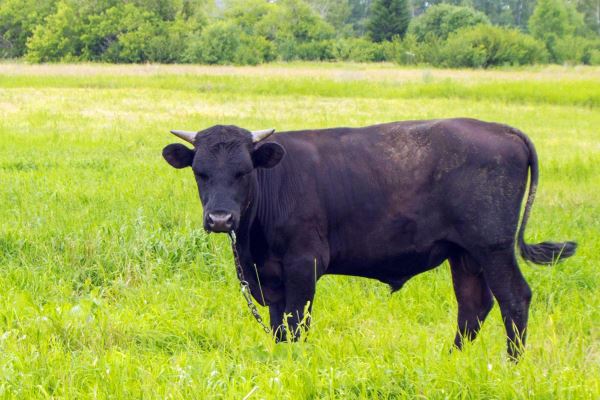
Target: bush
58 39
485 46
594 57
358 50
404 51
224 43
135 45
18 19
441 20
575 49
292 20
218 43
254 50
315 51
169 45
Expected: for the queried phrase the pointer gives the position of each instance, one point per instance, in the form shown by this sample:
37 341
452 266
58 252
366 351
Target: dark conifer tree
389 18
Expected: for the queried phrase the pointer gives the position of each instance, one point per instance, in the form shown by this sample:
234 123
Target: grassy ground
109 288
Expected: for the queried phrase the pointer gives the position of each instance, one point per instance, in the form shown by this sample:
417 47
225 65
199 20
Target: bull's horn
185 135
257 136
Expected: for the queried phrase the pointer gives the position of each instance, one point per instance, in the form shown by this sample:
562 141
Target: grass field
109 287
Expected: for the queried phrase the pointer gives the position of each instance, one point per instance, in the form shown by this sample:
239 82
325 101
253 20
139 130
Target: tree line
447 33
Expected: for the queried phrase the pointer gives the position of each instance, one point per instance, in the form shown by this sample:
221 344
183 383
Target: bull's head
224 159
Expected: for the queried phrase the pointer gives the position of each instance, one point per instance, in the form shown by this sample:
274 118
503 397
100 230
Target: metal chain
244 286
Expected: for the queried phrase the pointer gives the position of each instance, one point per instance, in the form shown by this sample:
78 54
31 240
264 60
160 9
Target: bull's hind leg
508 285
472 294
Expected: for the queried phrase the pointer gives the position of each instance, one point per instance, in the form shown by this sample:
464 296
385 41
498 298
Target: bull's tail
545 253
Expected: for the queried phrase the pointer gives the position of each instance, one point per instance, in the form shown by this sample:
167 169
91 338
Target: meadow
110 288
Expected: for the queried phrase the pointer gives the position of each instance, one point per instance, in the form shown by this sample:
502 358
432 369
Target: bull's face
224 159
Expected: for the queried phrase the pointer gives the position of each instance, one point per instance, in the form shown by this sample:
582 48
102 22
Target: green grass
109 287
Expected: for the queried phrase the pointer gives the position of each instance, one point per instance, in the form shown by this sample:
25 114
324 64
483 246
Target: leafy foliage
18 19
441 20
389 18
486 46
549 20
59 38
258 31
555 23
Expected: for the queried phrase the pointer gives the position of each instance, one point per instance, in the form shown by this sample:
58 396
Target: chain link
244 286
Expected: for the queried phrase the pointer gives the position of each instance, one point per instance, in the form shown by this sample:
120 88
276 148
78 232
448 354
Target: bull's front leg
276 311
300 278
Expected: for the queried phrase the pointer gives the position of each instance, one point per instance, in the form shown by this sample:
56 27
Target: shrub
254 50
358 50
441 20
224 43
485 46
169 45
127 33
219 43
293 20
135 45
404 51
594 57
58 38
575 49
18 19
315 51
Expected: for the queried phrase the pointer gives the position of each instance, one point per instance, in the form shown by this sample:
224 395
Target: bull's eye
201 176
239 174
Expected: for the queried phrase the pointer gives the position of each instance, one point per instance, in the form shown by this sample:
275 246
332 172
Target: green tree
506 12
336 12
388 18
18 19
359 15
58 38
418 7
550 22
290 24
499 12
219 43
576 21
129 33
441 20
591 11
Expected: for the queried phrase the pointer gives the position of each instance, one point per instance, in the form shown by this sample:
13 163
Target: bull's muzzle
219 221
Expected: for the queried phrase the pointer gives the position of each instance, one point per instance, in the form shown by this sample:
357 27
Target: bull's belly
392 267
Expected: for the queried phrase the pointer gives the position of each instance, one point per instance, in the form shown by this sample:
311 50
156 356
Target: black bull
385 202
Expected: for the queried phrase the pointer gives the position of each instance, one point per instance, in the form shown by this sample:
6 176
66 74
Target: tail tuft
547 253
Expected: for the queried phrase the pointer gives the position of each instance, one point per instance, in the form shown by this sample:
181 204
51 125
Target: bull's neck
257 210
247 217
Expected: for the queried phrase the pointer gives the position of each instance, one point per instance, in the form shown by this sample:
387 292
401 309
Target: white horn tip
185 135
257 136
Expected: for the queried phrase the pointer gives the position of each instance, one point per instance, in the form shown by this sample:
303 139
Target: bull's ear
267 155
178 155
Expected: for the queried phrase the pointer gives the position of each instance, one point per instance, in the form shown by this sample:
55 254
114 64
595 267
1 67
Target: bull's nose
219 221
